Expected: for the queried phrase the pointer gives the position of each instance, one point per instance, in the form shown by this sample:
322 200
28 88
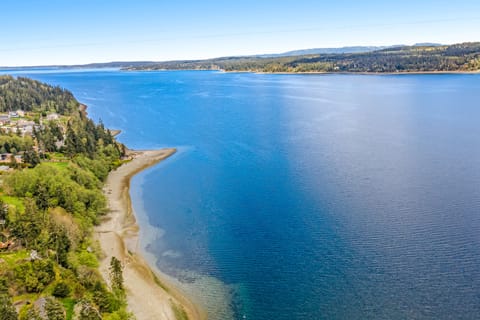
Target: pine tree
70 141
54 310
7 310
31 157
88 312
31 314
116 276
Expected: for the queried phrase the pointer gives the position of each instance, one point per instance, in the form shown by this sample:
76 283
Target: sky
55 32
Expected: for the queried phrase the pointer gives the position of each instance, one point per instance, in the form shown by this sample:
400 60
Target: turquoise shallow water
307 196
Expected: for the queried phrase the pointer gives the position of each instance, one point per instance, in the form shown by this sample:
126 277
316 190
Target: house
21 113
13 114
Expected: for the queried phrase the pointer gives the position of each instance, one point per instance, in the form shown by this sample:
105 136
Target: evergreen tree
54 310
88 311
31 158
7 310
61 290
31 314
27 226
70 141
103 298
116 276
60 242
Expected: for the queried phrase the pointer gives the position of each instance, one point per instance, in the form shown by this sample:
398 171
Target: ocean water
304 196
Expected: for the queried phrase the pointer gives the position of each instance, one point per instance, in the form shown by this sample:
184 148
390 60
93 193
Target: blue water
308 196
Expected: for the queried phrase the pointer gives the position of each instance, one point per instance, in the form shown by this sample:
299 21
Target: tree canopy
31 95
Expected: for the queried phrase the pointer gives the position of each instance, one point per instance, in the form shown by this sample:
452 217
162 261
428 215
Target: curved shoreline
149 294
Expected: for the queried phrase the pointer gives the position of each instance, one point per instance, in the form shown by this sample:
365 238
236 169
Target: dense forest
48 206
458 57
30 95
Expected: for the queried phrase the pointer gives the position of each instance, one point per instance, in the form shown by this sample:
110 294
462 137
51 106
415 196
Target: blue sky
43 32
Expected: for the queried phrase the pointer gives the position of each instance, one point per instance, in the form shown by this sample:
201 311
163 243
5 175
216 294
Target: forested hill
447 58
31 95
53 161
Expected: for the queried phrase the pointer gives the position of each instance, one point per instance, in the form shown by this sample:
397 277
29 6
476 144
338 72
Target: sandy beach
149 295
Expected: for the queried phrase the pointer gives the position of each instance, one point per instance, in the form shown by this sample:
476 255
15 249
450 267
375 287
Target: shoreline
367 73
364 73
149 293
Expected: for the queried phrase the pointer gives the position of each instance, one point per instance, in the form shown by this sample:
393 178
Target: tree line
458 57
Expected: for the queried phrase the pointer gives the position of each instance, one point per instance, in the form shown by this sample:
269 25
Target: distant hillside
417 58
114 64
356 49
98 65
351 49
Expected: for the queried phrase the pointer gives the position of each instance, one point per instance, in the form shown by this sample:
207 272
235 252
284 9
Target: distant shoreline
309 72
259 72
368 73
149 295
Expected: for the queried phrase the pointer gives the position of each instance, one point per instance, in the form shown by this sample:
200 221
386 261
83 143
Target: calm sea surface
305 196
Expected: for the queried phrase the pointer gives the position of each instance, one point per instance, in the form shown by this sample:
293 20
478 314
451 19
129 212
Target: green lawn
57 155
59 165
14 201
11 258
69 305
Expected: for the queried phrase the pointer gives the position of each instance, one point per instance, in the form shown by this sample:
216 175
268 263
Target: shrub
61 290
35 275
